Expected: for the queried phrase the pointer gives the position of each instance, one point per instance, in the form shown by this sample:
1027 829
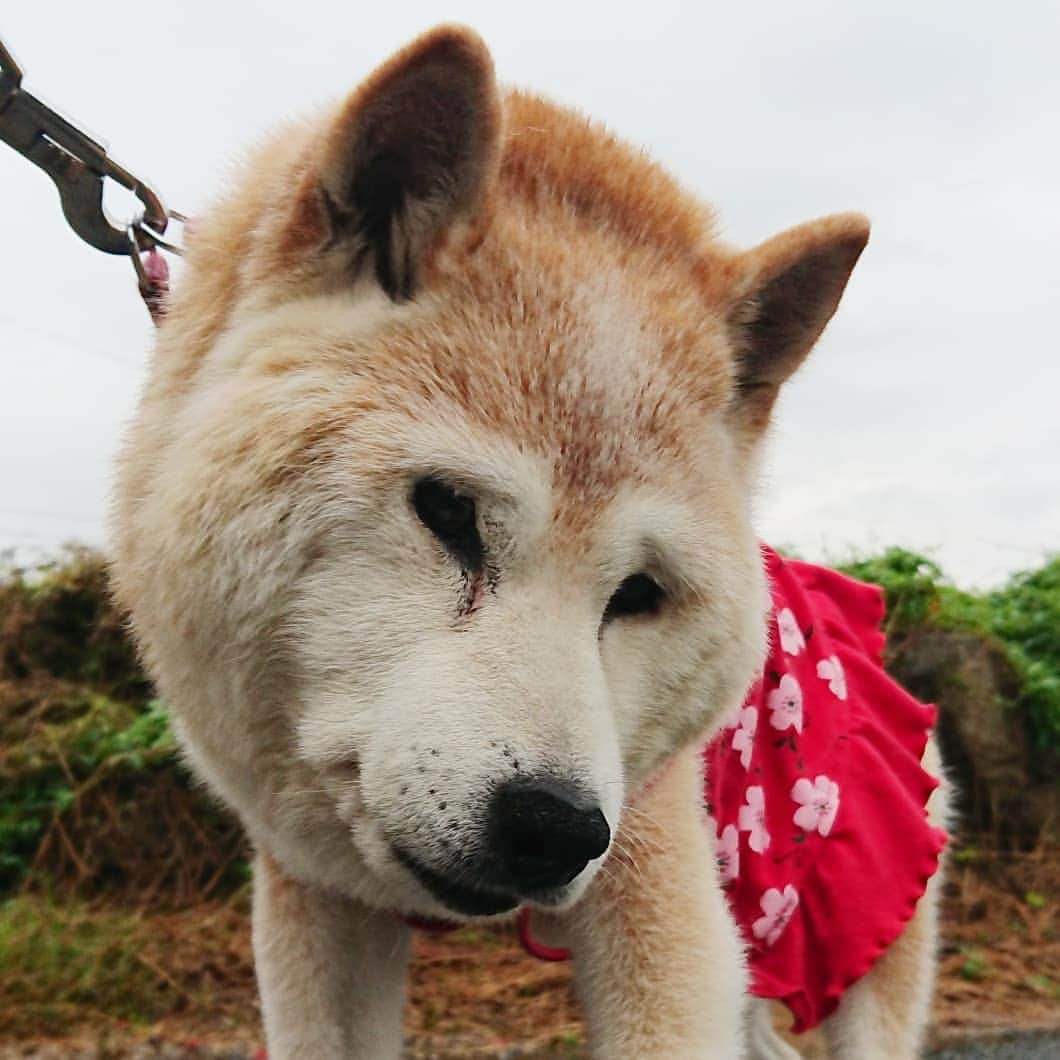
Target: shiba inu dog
434 528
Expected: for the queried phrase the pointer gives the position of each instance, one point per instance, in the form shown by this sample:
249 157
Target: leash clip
79 166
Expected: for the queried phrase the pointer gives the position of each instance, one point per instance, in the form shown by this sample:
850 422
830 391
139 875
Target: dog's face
435 523
523 595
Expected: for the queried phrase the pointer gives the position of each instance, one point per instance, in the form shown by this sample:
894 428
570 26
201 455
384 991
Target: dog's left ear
789 288
413 151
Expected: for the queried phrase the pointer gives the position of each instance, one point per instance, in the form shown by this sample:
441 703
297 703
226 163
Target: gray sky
927 417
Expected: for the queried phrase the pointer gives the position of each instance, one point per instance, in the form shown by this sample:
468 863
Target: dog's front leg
331 971
658 962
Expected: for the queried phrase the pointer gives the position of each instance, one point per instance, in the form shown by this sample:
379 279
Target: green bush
1023 617
58 619
93 797
97 740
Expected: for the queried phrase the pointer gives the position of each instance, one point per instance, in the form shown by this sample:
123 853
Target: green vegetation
1023 618
974 966
75 746
54 958
58 620
93 799
69 963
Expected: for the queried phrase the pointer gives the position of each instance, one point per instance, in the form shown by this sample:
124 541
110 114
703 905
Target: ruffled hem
809 1012
857 897
860 886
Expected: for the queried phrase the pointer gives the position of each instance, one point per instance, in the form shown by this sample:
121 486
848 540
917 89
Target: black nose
543 832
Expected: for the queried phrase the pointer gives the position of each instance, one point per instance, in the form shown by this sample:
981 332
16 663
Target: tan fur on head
438 280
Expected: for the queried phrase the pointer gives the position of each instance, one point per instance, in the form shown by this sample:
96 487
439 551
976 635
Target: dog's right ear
790 287
413 151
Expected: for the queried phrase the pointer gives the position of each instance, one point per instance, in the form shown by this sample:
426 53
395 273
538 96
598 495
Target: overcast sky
927 417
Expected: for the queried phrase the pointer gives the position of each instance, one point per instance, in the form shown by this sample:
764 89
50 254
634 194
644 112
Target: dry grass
97 973
67 968
1000 965
94 804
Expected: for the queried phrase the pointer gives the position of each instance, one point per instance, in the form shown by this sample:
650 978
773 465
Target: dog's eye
639 594
451 517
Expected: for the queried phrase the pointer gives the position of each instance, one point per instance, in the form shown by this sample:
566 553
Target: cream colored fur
443 279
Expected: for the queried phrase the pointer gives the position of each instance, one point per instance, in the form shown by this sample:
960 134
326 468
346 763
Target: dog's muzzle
540 835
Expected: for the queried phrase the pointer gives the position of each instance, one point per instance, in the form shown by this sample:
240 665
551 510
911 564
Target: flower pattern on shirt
791 638
831 670
728 854
752 819
785 704
743 739
796 803
778 907
819 803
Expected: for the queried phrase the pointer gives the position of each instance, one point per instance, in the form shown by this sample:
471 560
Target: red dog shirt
819 796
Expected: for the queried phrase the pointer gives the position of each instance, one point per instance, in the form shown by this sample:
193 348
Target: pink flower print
752 819
831 670
778 907
791 638
744 737
819 803
785 702
728 854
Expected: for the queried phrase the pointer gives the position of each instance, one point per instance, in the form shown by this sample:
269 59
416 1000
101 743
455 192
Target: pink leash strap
526 936
533 946
153 277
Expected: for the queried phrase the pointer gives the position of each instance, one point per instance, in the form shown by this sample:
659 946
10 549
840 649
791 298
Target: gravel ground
1007 1047
1010 1047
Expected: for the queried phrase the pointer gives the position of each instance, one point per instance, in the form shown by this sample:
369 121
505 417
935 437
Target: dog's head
434 521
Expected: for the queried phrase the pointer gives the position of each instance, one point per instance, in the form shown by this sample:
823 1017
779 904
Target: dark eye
639 594
451 517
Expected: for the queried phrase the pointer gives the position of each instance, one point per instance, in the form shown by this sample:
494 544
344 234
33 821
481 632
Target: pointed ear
411 152
791 286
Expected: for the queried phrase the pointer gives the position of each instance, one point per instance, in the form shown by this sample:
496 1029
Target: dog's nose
543 832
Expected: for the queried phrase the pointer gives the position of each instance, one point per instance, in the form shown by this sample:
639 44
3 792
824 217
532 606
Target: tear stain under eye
476 586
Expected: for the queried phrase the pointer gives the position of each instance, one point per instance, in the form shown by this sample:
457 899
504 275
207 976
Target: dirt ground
475 994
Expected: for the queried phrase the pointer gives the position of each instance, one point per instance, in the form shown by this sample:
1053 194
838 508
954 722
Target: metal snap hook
77 164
